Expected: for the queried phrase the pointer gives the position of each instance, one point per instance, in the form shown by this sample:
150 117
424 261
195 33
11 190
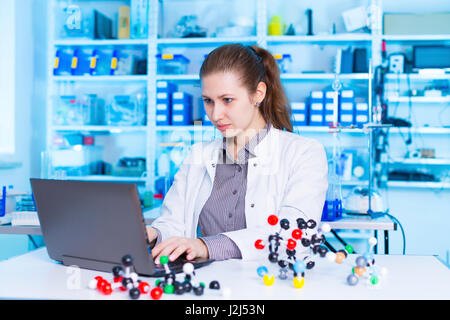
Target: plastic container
67 111
139 19
284 62
172 64
129 167
93 110
63 62
74 21
76 161
126 110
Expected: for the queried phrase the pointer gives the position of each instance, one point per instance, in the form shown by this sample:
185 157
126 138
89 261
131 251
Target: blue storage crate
316 109
181 108
299 114
205 119
63 61
332 210
346 108
81 62
3 202
163 109
330 101
361 113
172 64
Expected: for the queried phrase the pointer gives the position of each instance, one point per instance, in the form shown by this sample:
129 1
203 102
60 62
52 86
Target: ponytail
255 65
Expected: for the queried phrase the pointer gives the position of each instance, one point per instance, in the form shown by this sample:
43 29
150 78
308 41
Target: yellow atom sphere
299 283
360 271
268 280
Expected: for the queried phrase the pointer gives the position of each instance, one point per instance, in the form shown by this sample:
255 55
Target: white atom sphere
188 268
331 256
92 284
226 292
373 241
325 227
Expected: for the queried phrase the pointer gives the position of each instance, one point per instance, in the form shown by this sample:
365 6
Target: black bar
340 239
375 248
329 246
386 242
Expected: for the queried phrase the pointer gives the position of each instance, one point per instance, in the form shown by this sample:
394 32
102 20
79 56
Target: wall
30 73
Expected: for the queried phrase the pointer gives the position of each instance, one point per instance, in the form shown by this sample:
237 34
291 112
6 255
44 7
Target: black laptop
94 224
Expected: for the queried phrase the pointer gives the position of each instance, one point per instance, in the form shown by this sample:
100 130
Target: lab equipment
139 19
307 233
126 110
284 62
357 202
172 64
67 111
276 26
102 26
3 202
187 27
123 31
129 167
75 22
316 108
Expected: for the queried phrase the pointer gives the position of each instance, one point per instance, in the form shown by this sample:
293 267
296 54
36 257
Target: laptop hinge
86 263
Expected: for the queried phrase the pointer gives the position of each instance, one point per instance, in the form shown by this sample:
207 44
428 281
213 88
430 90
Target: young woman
224 191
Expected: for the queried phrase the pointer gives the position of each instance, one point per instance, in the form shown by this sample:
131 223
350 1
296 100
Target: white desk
35 276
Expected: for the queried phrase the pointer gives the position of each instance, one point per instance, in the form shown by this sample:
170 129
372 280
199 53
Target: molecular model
364 267
283 251
170 285
127 280
124 280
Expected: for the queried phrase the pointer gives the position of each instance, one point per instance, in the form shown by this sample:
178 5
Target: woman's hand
152 235
176 246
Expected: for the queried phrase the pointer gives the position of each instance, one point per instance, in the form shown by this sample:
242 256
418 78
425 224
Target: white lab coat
287 177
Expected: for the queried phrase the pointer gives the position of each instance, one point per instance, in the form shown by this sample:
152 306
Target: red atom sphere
291 244
273 220
259 244
144 287
156 293
297 234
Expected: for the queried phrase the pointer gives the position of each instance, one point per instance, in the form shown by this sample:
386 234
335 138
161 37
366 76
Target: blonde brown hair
254 65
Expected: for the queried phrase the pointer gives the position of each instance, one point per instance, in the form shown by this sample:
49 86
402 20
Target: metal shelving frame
153 43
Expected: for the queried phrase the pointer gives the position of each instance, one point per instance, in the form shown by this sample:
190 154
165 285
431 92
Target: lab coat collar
211 152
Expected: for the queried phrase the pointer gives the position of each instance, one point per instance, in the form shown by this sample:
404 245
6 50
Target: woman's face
228 104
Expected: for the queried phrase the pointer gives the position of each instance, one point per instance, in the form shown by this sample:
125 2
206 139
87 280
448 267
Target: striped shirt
224 211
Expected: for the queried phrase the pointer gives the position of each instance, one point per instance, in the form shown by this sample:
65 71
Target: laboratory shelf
324 76
326 38
107 178
421 130
422 161
419 184
178 77
100 42
204 41
112 129
324 129
101 78
185 128
416 37
419 99
418 76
